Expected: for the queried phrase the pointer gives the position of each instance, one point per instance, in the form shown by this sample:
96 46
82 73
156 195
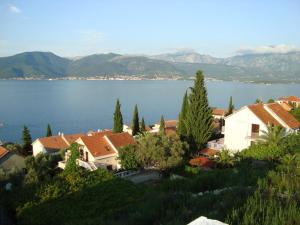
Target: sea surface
82 105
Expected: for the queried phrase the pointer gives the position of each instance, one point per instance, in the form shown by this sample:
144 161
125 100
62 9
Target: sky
220 28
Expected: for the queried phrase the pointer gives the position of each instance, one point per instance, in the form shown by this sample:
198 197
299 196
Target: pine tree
230 107
49 131
182 130
135 126
27 147
143 126
199 117
162 125
118 119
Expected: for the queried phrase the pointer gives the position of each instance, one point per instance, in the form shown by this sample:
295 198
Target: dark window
255 128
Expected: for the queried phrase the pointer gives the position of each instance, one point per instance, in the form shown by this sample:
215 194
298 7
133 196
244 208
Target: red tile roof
219 112
171 123
121 139
3 151
209 152
53 142
97 146
286 106
263 114
202 162
288 118
170 130
290 99
71 138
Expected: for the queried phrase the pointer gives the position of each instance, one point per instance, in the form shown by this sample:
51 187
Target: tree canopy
49 131
135 126
118 119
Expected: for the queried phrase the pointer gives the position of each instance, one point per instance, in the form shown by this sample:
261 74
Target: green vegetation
296 113
230 107
271 100
162 125
27 148
182 129
199 117
49 131
143 125
128 157
135 126
118 119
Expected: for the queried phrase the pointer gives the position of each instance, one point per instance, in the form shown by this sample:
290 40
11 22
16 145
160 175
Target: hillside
251 67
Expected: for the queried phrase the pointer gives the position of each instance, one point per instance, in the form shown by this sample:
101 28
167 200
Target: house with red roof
291 100
244 126
101 150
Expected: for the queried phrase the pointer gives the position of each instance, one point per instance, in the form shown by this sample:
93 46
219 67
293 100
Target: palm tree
225 159
273 135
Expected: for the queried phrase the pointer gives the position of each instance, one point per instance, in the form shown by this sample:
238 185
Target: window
255 128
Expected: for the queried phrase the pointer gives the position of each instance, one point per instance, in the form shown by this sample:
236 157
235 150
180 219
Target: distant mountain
252 67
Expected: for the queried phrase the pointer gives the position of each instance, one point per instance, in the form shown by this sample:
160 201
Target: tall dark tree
182 130
27 147
143 125
162 125
49 131
118 119
199 117
135 126
230 107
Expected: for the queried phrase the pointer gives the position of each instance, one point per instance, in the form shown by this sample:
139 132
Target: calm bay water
77 106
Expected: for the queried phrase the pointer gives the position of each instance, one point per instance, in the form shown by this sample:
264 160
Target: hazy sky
80 27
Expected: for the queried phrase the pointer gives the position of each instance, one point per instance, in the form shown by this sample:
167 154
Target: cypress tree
118 119
135 126
199 117
49 131
143 126
182 130
27 147
162 125
230 107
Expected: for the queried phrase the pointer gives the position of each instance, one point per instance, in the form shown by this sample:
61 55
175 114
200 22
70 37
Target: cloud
14 9
281 49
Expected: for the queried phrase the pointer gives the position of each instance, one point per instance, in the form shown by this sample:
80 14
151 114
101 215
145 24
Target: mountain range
270 67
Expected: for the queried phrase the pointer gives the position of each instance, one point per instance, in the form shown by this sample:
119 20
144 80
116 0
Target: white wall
238 129
37 148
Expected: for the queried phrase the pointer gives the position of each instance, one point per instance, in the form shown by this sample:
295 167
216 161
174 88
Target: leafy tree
135 126
199 116
127 156
271 100
49 131
160 151
182 129
230 107
71 164
118 119
143 125
273 135
27 147
162 125
258 101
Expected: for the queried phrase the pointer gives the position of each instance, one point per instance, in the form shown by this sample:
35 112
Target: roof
209 152
290 99
219 112
97 146
170 130
202 162
101 133
71 138
3 151
171 123
263 114
285 116
121 139
286 106
53 142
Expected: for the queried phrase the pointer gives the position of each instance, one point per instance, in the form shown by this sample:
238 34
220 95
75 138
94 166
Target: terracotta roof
286 106
71 138
219 112
3 151
202 162
171 123
170 130
97 146
290 120
290 99
263 114
209 152
121 139
53 142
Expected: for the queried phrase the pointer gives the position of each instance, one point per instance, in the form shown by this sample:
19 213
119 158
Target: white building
244 126
292 100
